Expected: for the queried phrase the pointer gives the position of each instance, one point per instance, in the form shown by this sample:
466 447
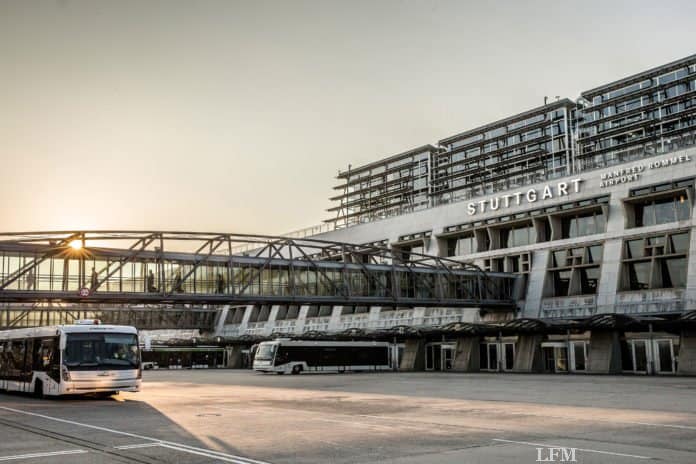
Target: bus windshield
266 352
101 350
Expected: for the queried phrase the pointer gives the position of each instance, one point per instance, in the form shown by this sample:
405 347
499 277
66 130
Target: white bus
70 359
294 356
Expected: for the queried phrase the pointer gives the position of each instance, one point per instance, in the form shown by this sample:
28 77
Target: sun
76 244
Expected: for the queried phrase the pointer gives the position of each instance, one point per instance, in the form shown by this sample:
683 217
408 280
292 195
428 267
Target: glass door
447 357
488 353
640 356
429 358
508 353
433 357
665 362
555 356
578 356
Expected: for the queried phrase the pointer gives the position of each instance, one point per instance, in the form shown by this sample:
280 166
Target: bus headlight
64 373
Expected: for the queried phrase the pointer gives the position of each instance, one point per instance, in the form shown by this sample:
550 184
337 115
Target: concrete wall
234 357
687 353
466 356
604 355
528 354
414 356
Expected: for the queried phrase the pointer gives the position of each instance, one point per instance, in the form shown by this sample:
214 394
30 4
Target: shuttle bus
86 357
294 356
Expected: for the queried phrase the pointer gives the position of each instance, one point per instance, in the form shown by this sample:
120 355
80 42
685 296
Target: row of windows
498 131
640 135
527 233
663 112
645 84
653 262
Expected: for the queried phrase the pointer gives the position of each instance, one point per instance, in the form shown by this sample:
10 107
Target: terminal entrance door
644 356
635 356
665 361
497 356
555 356
565 356
439 356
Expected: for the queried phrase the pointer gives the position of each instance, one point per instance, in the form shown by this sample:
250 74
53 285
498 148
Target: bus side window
45 354
50 358
36 356
15 359
3 360
28 365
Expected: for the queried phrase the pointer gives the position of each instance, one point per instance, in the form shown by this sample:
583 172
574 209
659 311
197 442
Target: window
461 246
575 271
663 210
659 261
583 224
519 235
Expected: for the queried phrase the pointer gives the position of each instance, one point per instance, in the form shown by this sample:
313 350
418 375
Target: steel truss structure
144 317
193 269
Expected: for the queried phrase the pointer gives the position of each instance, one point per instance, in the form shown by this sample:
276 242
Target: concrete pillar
301 319
234 357
535 284
528 353
609 274
220 322
270 323
605 353
335 321
687 353
413 358
466 356
373 317
245 319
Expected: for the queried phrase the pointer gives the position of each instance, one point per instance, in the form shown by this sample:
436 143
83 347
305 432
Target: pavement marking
673 426
611 453
42 455
610 421
139 445
180 446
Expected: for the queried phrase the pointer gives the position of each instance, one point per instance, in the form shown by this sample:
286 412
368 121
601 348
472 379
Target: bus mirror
62 343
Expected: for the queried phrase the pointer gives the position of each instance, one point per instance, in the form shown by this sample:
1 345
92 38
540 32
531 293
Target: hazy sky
236 116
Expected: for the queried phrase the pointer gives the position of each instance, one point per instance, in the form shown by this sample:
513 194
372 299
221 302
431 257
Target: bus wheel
38 389
296 369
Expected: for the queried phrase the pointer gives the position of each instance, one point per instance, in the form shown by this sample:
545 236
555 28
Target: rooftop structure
649 112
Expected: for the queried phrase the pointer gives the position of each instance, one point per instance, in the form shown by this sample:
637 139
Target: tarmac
238 416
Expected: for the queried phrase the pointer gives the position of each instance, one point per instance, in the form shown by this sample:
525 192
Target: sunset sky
236 116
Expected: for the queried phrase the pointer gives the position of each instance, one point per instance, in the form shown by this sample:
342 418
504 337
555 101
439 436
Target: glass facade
647 112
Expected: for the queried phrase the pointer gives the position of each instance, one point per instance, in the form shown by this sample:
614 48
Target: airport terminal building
589 201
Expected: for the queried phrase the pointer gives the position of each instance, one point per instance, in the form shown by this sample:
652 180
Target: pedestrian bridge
180 270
